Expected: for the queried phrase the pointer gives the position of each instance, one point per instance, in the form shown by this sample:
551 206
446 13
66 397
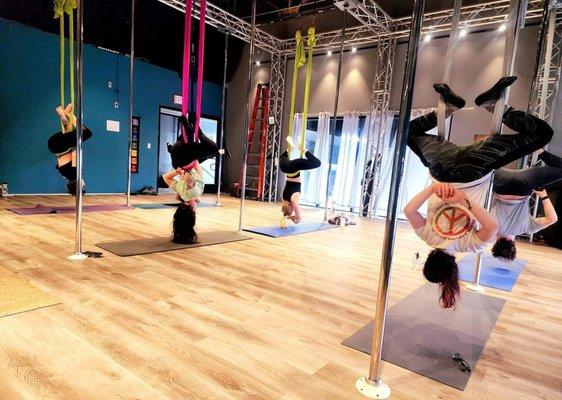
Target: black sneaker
448 96
493 94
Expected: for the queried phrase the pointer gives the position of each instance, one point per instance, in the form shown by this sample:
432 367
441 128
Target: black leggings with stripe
448 162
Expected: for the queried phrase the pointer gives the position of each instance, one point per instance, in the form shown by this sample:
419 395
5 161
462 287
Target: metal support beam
79 112
275 130
131 99
369 13
223 115
219 18
373 386
247 119
334 115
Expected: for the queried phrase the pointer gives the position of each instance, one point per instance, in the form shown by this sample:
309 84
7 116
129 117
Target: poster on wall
135 145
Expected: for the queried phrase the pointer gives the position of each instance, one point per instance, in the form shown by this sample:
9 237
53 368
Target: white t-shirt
187 193
514 216
452 227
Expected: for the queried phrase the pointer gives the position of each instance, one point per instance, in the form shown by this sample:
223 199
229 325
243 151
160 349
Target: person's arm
550 216
169 177
411 210
488 222
296 218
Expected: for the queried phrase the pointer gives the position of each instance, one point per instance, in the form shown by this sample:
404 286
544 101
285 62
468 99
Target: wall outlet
109 84
148 146
116 104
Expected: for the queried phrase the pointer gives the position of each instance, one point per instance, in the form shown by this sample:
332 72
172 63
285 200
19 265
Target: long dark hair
442 268
505 249
184 225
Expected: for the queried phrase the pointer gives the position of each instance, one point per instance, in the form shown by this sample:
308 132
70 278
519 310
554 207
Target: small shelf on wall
135 145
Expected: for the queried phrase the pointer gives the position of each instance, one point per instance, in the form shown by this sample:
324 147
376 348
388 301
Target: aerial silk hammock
67 7
300 61
186 64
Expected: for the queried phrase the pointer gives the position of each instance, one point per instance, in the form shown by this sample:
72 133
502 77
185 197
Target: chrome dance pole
372 386
335 114
223 111
78 255
247 120
131 98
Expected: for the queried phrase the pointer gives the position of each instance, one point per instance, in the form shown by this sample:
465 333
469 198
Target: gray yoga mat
159 244
421 337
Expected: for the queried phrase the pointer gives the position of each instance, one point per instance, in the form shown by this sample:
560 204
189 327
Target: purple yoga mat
41 209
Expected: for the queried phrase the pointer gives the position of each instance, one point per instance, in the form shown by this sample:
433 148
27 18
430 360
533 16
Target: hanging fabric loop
186 63
300 60
311 42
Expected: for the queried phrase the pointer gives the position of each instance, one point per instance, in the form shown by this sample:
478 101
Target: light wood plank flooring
258 319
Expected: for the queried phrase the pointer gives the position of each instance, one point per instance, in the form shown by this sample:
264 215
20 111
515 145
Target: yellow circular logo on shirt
452 221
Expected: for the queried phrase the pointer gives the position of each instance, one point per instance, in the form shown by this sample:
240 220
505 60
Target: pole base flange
77 257
371 389
475 288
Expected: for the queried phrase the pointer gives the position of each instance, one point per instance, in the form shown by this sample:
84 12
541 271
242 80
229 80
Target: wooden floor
258 319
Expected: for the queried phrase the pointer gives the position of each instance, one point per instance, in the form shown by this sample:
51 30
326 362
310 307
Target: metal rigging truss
275 130
237 27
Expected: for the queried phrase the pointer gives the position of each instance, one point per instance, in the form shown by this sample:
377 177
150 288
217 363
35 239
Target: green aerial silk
311 42
68 7
300 60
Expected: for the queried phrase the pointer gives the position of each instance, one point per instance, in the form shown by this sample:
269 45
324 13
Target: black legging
185 153
298 164
522 182
448 162
62 142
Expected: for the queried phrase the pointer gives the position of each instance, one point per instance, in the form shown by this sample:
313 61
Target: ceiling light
502 28
427 38
463 33
353 49
258 63
329 52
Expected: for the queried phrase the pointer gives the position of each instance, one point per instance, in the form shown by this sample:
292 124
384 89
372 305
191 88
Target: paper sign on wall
112 126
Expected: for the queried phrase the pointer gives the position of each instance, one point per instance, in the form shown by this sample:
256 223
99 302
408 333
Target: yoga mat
495 273
158 206
297 229
159 244
17 295
41 209
421 336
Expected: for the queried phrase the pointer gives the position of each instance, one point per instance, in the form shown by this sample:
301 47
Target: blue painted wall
29 87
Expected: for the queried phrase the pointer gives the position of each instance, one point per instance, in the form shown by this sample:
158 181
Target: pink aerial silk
187 62
200 58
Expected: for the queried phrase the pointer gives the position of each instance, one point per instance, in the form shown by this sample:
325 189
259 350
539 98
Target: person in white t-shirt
460 173
510 202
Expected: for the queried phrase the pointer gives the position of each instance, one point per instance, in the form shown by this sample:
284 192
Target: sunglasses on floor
462 364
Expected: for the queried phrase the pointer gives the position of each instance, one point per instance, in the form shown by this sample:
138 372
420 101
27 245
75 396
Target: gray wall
477 65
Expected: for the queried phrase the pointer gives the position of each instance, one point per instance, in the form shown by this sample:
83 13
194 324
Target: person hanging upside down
183 154
510 202
63 145
189 188
450 224
292 191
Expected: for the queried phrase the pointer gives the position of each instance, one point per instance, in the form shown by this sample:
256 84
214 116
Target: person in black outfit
63 145
291 192
184 154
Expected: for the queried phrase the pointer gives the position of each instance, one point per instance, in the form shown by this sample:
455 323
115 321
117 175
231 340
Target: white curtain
344 191
315 181
416 176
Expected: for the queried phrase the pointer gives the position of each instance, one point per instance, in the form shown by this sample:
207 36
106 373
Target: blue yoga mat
276 231
495 273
